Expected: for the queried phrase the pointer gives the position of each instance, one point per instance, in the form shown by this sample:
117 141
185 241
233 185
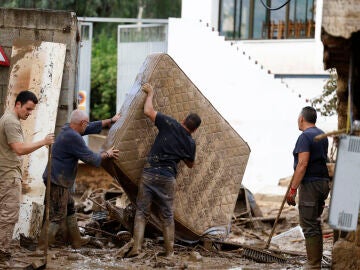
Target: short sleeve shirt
316 169
10 132
68 149
172 144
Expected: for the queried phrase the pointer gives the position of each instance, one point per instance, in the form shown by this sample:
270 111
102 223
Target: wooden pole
47 204
278 215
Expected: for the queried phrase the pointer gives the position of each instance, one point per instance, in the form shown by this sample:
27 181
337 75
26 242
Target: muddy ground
196 256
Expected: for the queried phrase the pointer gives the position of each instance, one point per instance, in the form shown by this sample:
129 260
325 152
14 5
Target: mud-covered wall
42 25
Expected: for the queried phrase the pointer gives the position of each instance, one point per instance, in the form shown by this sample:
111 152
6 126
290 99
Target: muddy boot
52 230
76 239
139 230
169 235
314 250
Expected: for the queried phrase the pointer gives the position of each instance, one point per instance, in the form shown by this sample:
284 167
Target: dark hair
192 121
309 114
25 96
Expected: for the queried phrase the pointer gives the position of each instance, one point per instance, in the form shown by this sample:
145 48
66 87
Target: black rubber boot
314 250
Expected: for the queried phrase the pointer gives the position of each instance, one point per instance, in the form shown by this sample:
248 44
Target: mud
196 256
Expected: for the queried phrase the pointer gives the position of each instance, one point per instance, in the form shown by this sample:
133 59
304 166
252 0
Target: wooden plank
36 66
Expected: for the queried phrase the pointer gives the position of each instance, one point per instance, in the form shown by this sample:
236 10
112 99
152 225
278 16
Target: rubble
111 241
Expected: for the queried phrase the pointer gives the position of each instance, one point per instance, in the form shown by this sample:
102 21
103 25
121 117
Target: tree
327 102
103 77
104 52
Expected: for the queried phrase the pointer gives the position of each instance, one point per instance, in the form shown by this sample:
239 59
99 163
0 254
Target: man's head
24 104
192 122
79 120
307 117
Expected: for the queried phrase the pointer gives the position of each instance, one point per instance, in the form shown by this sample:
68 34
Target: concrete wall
43 25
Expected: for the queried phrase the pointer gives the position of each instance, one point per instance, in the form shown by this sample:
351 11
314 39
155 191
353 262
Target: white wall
290 56
260 108
204 10
287 56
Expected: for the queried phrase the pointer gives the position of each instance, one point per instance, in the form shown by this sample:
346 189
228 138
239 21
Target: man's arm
22 148
299 173
300 169
148 106
110 121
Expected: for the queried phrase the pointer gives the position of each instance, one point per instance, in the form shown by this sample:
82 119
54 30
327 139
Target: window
249 19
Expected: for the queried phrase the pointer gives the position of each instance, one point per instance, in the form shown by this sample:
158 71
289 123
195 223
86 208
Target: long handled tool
267 255
278 215
47 205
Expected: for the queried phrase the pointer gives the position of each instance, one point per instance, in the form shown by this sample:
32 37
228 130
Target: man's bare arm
148 106
22 148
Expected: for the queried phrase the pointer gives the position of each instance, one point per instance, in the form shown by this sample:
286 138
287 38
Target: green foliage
103 76
104 50
326 103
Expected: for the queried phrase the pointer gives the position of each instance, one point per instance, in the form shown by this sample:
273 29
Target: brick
39 19
64 38
27 34
1 18
58 20
7 36
20 18
44 35
4 75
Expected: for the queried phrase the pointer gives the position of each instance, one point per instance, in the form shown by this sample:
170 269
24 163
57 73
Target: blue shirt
316 169
68 149
172 144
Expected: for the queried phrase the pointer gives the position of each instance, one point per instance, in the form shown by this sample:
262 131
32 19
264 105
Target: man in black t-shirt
312 177
172 144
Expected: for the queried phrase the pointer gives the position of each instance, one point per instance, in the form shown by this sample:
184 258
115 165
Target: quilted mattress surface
206 194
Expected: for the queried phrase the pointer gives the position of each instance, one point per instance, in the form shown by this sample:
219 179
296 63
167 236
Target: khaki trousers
10 192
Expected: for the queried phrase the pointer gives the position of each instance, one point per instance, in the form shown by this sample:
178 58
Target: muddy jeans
312 196
160 190
61 204
10 192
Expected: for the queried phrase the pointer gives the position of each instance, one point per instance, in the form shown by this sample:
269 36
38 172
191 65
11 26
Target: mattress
205 194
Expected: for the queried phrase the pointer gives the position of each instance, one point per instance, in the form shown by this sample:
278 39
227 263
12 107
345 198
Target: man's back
172 144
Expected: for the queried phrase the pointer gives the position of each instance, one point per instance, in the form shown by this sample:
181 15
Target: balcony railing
281 30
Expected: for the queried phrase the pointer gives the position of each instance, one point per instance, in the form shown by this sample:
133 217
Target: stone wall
42 25
341 17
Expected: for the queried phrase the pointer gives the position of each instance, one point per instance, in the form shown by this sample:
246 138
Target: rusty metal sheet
36 66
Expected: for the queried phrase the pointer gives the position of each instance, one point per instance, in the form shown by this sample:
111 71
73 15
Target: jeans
157 189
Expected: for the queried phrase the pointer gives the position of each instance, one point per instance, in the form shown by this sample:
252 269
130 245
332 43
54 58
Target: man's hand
115 118
290 198
112 153
49 139
147 88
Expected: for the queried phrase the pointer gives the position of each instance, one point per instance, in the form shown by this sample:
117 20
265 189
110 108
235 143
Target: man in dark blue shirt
68 149
311 175
172 144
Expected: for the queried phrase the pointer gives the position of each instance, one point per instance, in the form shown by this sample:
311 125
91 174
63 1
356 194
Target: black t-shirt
316 169
172 144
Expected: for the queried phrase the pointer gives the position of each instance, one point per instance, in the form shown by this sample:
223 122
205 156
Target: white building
258 68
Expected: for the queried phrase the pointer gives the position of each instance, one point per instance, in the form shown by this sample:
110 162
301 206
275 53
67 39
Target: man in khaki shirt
12 147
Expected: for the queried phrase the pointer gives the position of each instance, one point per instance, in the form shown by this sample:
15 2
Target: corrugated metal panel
135 43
